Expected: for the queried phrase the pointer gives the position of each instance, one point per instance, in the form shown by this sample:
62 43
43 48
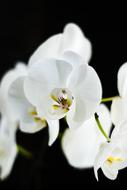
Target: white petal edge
87 90
19 70
122 80
48 49
118 111
7 141
30 127
73 40
7 167
110 173
53 126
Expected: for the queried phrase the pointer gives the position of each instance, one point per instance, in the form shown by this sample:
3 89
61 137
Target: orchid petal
17 99
86 88
7 146
110 172
11 75
62 45
22 108
31 127
53 130
9 162
81 145
118 111
49 49
74 41
122 80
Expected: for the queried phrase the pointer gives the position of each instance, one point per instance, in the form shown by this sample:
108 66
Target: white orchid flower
20 109
69 45
54 99
119 108
8 148
112 156
81 145
26 113
57 90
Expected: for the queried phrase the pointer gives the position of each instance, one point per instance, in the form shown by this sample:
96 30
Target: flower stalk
24 152
100 127
108 99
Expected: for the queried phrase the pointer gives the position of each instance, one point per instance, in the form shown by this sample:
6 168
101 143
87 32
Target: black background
24 26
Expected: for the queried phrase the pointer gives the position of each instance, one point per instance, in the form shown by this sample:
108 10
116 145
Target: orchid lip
110 160
37 119
62 100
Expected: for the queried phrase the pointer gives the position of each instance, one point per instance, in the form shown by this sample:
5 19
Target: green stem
100 127
24 152
108 99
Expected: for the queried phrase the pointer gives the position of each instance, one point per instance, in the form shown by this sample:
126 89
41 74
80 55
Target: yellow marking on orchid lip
66 110
63 100
54 98
69 102
41 120
112 159
33 113
37 119
55 107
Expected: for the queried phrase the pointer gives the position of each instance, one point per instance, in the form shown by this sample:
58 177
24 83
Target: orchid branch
108 99
100 127
24 152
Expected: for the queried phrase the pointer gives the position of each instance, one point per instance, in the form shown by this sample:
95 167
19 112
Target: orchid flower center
62 100
37 120
110 160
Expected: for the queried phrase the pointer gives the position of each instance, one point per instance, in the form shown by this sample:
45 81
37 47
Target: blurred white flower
81 145
112 156
57 89
69 45
119 108
8 124
8 149
21 109
24 112
8 78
